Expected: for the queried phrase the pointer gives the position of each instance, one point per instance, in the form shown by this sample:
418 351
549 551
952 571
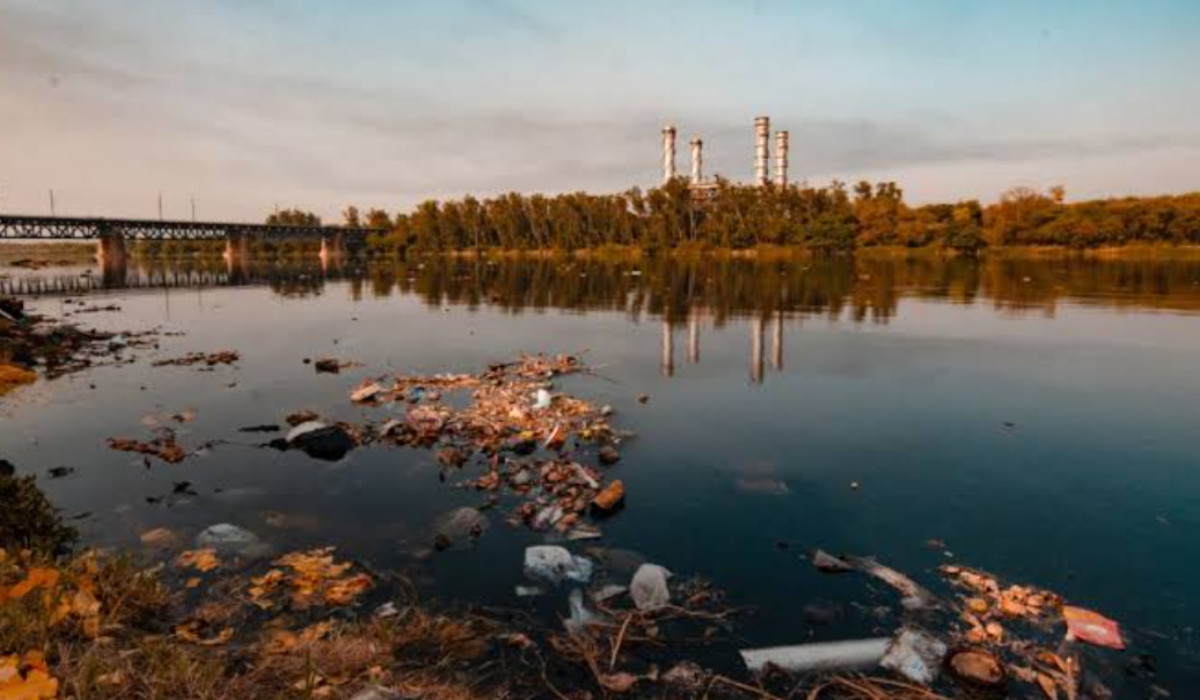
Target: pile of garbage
527 436
987 640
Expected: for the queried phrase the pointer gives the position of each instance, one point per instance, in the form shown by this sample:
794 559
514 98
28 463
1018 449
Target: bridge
111 234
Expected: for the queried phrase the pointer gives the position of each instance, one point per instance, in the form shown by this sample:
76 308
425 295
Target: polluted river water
1034 419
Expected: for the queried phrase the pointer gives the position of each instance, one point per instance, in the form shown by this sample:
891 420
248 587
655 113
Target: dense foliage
834 218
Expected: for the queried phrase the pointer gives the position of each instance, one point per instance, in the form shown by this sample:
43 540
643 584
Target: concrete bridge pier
111 257
110 249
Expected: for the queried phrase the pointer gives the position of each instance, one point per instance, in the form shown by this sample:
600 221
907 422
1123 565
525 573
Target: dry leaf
199 559
38 577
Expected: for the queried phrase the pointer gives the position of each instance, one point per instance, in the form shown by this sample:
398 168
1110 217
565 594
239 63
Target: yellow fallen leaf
190 632
199 559
36 578
26 678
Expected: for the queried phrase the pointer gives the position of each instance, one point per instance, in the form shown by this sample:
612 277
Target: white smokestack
762 150
668 153
697 161
781 158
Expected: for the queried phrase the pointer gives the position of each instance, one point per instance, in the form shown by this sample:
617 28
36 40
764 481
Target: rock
608 455
327 365
366 393
687 676
231 539
159 538
610 498
60 472
452 456
648 589
642 398
555 564
301 417
828 564
978 667
459 526
319 441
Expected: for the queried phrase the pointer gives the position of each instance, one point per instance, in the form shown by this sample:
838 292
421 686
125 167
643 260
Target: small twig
612 661
745 688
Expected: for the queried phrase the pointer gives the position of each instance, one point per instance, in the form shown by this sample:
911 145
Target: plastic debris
580 616
915 655
608 591
303 429
542 400
528 591
852 655
555 564
915 597
649 587
1092 627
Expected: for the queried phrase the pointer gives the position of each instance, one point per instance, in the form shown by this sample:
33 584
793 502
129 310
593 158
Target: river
1036 419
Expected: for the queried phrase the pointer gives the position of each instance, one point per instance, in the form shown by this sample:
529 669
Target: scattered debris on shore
223 357
32 342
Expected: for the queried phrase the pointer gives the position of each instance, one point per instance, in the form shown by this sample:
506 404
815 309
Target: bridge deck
83 228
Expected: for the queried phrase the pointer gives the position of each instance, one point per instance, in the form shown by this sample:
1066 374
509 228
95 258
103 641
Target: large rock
231 539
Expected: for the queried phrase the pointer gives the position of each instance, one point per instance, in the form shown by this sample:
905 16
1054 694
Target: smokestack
697 161
762 134
781 158
668 153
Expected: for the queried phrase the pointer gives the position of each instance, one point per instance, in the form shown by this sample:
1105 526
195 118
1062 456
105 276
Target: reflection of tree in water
860 288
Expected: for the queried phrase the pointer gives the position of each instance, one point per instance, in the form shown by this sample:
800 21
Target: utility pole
160 206
52 203
193 210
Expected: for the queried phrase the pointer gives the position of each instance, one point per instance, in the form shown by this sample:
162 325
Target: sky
245 105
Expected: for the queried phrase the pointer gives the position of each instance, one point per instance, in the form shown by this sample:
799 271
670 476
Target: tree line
728 215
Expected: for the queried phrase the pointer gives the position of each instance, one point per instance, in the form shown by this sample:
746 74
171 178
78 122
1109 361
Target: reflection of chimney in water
668 133
668 349
693 342
777 342
756 350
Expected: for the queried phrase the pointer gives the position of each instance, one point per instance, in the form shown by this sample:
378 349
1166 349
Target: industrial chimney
697 161
668 153
781 158
762 135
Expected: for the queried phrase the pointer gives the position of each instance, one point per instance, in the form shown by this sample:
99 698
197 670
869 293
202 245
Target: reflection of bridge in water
298 278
